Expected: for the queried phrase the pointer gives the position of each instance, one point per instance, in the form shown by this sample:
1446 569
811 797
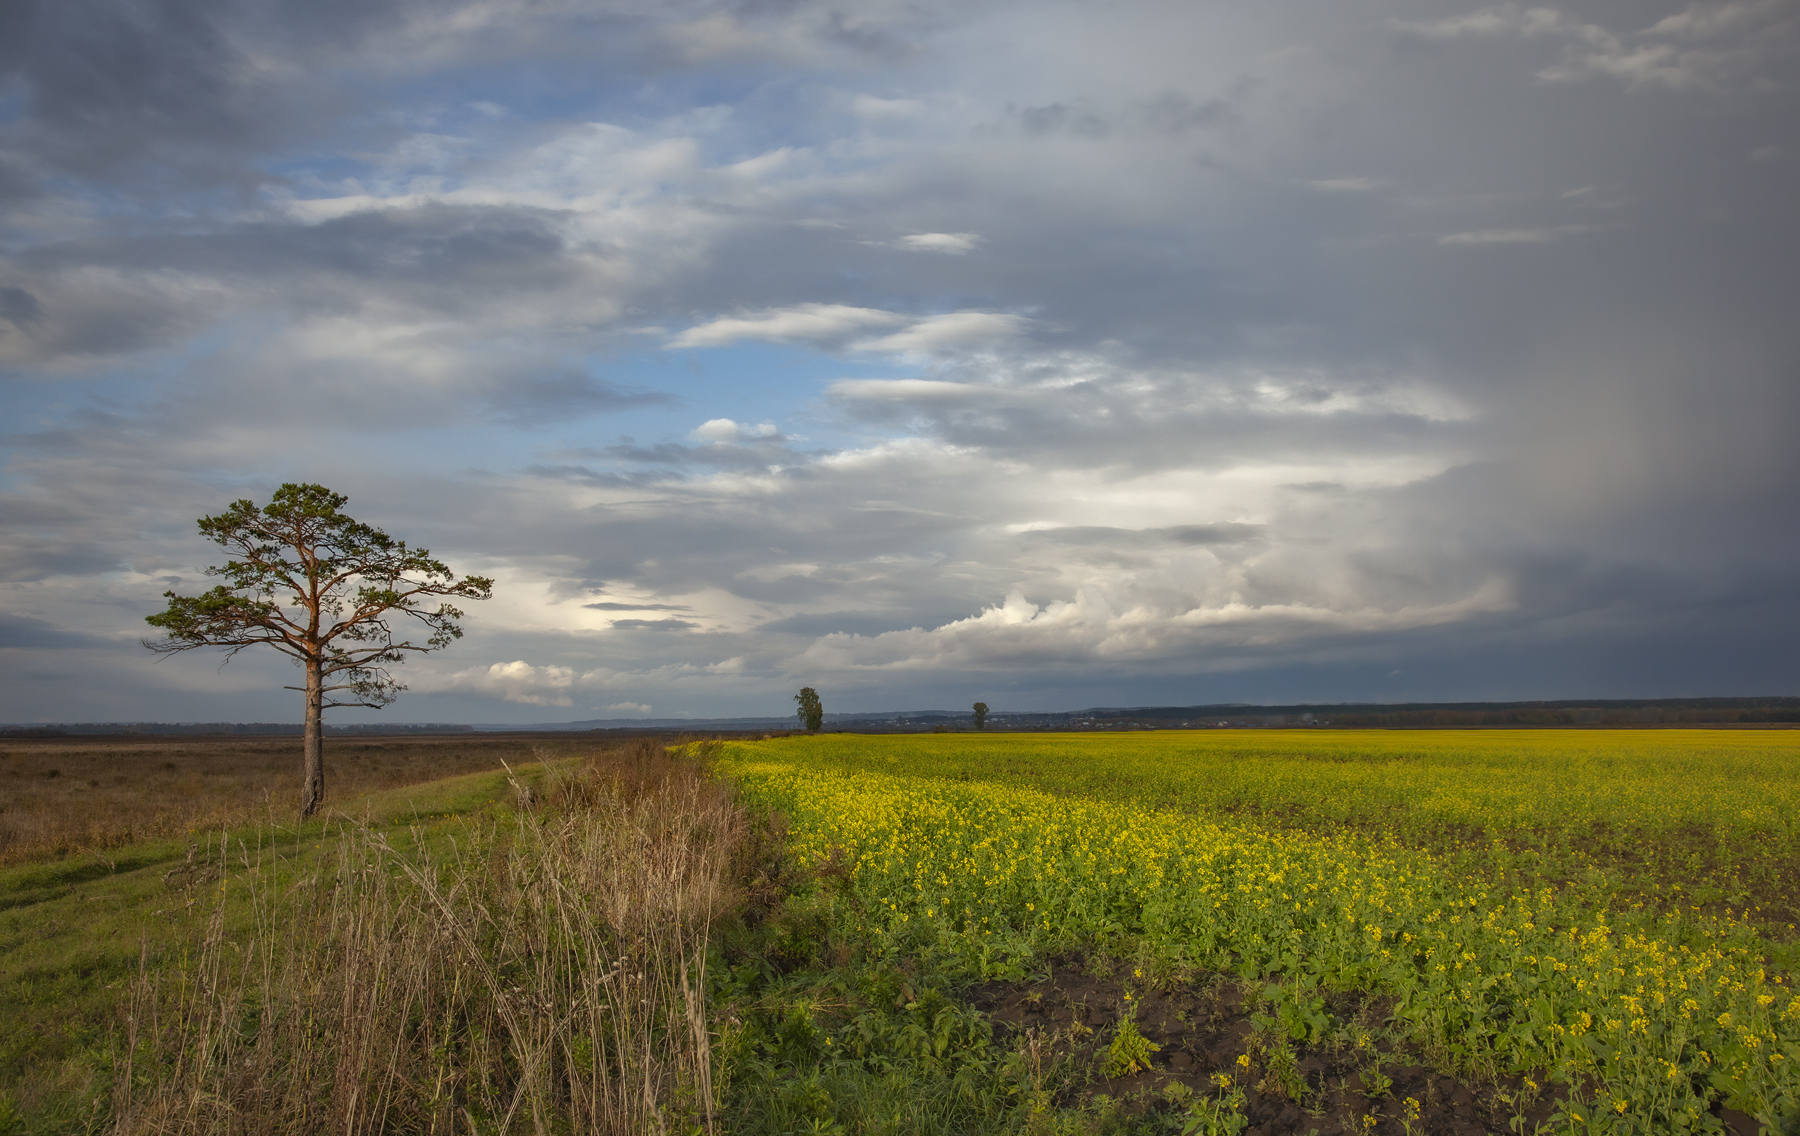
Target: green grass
1418 867
820 1045
1212 852
73 930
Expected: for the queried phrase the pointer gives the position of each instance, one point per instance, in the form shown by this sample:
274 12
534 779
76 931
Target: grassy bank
75 930
536 967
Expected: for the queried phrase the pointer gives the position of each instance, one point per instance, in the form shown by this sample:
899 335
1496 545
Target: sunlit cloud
1159 353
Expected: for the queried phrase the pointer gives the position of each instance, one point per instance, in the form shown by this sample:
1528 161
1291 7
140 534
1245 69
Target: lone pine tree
325 590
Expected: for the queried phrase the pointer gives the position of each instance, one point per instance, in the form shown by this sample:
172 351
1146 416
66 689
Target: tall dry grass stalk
543 972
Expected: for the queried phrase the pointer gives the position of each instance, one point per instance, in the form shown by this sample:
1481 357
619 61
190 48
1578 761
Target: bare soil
1206 1028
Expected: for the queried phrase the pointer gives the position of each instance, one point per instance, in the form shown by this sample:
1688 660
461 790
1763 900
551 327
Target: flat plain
1196 932
1604 918
104 842
73 795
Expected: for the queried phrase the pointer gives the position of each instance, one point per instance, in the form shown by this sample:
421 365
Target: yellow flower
1068 820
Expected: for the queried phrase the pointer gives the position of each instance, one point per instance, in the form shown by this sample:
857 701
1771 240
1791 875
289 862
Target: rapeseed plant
1663 1009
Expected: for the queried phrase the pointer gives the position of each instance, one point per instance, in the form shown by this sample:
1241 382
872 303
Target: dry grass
542 971
67 796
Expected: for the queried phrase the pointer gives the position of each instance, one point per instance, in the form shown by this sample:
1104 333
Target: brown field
60 796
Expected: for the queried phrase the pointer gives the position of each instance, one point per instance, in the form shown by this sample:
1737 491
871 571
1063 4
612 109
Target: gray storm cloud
1159 354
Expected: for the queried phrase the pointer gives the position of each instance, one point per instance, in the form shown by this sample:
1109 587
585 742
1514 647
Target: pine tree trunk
312 766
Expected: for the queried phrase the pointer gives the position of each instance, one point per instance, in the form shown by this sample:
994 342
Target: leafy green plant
1218 1115
1299 1009
1130 1050
1376 1084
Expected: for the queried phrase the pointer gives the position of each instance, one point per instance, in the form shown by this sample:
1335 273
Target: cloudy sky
1054 354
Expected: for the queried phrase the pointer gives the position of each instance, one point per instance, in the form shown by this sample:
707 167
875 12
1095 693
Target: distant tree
812 711
981 713
325 591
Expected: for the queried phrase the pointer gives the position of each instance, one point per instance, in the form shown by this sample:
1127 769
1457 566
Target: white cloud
1646 65
720 430
565 687
716 430
518 681
803 322
1704 21
1231 415
763 165
1676 52
953 243
956 331
1500 19
905 390
1089 630
829 325
1512 236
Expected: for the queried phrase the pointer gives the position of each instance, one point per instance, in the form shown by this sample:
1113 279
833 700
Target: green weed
1129 1051
1218 1115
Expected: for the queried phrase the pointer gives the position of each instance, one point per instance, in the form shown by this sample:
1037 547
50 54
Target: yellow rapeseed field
1328 858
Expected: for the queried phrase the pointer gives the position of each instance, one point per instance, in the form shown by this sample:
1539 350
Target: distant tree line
1583 717
1599 712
